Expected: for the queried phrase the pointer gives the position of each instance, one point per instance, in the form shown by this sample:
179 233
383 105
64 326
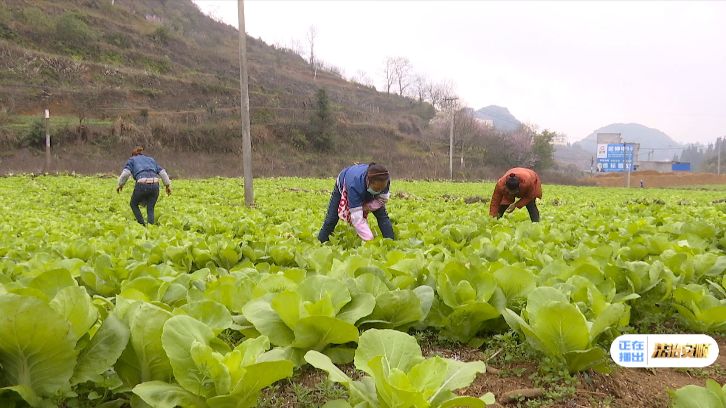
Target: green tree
35 135
322 123
543 150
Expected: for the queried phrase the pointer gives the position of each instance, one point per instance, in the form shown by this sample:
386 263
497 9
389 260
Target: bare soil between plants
622 388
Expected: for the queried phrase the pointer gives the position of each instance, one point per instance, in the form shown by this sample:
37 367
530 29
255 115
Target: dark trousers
531 208
331 218
144 194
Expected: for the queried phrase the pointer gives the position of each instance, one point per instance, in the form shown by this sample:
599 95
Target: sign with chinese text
616 157
664 350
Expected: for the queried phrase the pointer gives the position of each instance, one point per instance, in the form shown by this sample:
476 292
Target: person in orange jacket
516 183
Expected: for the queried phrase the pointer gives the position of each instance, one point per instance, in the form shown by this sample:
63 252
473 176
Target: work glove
511 208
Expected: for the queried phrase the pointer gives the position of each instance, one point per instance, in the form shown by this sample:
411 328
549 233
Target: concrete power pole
451 147
451 138
245 107
627 165
719 142
47 141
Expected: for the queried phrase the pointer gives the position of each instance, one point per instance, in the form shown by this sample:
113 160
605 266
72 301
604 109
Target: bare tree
397 71
388 74
420 87
519 147
363 78
433 96
438 93
312 36
296 47
468 130
530 127
85 107
402 73
448 100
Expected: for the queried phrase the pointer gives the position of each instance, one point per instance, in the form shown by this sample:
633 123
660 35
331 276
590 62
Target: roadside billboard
613 157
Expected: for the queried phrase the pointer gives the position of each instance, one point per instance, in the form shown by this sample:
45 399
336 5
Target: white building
485 122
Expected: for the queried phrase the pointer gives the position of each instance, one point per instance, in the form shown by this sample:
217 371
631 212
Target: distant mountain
503 120
654 144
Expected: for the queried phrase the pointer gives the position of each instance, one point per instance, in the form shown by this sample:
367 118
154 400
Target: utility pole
451 147
451 137
462 154
719 142
245 107
47 141
627 165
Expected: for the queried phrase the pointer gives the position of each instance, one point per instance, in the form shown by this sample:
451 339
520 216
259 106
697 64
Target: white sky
571 67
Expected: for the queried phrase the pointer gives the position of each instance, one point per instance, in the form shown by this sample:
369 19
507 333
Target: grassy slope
184 61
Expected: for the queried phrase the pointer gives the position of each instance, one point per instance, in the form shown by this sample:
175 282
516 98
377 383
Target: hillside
503 120
156 54
162 73
575 155
654 144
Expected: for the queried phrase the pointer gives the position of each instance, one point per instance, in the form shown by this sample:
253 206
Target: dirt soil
655 179
631 388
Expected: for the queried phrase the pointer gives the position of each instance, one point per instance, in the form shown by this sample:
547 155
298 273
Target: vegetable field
219 305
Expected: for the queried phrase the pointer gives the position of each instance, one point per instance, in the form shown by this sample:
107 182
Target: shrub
5 15
157 65
6 32
161 35
118 39
36 18
71 30
35 135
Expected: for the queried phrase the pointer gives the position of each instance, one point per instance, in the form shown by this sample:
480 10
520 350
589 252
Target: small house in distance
667 166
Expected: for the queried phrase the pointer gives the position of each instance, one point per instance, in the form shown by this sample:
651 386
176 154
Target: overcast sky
567 66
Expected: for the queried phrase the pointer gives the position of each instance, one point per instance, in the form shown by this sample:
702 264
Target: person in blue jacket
359 189
147 175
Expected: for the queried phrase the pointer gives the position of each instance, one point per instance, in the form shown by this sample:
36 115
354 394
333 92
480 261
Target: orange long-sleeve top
529 189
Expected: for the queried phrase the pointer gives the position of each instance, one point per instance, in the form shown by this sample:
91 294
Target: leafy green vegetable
556 327
398 375
111 286
692 396
208 372
319 314
37 349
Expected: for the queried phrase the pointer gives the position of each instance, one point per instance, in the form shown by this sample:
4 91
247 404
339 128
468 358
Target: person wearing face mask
359 189
516 183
